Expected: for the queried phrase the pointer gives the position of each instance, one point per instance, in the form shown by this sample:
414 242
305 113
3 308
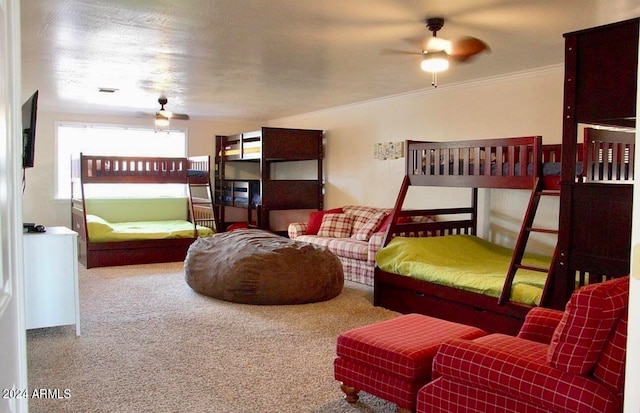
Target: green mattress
465 262
101 230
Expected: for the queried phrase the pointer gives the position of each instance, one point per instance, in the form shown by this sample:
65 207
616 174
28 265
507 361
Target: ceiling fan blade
180 116
418 42
465 47
141 114
399 52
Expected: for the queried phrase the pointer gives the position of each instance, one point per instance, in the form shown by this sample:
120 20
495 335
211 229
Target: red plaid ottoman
392 359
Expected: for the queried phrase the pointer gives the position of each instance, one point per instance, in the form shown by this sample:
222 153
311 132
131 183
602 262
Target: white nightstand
51 278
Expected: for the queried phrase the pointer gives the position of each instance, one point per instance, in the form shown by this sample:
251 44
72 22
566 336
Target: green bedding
465 262
101 230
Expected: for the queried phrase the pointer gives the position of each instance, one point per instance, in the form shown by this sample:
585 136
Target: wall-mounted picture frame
388 150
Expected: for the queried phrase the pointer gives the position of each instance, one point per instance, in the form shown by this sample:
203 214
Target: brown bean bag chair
257 267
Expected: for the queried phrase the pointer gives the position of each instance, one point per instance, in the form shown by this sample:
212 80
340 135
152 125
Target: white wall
38 201
523 104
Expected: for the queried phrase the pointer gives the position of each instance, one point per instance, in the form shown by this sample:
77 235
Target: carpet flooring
151 344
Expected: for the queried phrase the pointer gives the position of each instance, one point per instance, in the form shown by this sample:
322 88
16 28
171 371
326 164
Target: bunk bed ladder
521 244
198 204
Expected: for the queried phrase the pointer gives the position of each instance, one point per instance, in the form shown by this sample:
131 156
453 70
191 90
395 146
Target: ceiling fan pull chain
434 81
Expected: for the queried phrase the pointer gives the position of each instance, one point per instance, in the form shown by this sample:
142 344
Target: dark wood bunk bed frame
405 294
268 147
597 92
87 169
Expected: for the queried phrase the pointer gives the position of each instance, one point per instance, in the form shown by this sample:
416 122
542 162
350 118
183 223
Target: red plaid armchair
559 362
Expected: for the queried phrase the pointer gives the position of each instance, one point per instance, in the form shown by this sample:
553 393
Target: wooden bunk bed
494 163
268 149
597 92
161 244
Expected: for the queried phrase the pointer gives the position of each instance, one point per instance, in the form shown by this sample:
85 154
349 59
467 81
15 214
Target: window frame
66 195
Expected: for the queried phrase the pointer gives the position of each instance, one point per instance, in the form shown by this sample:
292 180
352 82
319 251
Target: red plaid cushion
540 324
589 318
336 226
361 214
348 248
446 396
366 231
610 367
403 346
315 220
517 368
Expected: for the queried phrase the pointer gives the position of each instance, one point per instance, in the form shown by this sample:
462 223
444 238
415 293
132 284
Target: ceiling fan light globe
434 63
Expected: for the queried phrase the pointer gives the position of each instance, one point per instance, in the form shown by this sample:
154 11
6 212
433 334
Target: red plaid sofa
353 233
571 361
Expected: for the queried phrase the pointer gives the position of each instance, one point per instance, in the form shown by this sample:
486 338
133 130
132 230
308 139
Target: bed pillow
315 220
366 231
98 227
336 226
589 318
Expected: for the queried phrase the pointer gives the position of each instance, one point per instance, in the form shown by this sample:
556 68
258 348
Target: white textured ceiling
266 59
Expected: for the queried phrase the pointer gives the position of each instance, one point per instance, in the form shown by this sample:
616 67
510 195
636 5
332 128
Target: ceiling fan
437 53
163 116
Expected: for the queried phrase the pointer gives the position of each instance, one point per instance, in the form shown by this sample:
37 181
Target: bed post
474 207
396 210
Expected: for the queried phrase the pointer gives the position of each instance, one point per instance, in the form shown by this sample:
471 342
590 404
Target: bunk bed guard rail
113 169
492 163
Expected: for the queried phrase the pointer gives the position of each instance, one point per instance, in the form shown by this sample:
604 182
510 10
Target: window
73 139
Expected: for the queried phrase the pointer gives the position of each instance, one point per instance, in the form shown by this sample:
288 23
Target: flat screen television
29 116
